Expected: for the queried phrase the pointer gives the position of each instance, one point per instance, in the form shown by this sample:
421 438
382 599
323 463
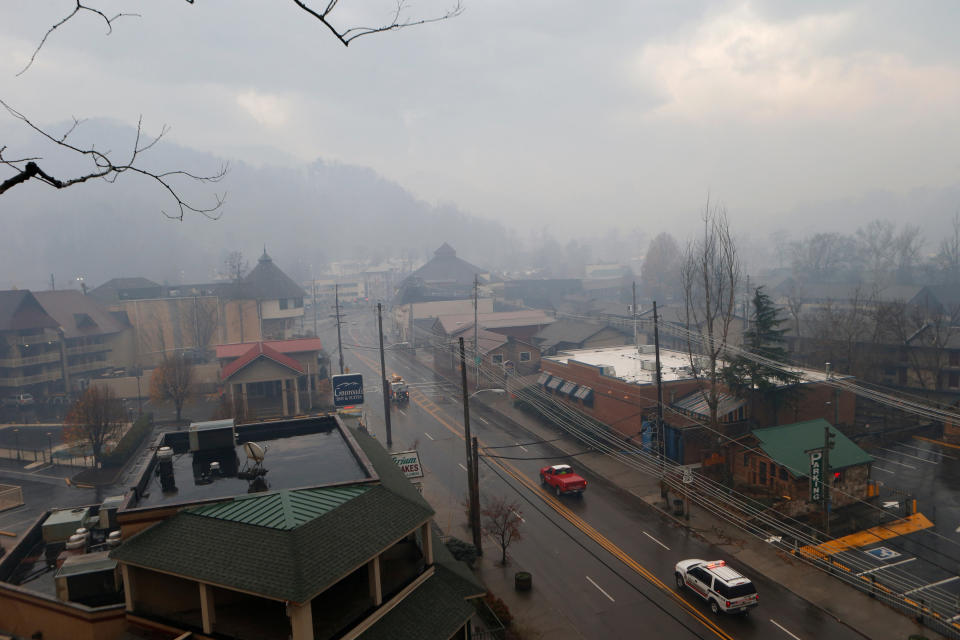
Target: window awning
554 383
568 387
584 394
544 377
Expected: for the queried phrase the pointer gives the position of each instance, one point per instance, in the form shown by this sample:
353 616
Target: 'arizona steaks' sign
409 463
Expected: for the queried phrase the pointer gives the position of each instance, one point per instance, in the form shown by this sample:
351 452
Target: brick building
775 461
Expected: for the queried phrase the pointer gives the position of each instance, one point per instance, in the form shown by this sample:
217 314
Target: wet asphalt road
600 595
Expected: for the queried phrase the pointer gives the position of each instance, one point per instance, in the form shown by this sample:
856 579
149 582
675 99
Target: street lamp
16 439
50 445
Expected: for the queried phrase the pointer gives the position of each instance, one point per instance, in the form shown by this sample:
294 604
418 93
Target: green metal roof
284 510
788 444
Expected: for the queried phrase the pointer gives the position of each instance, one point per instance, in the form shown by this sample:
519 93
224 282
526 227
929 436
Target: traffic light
831 439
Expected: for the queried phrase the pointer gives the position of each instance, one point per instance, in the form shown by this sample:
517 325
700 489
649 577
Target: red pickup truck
563 480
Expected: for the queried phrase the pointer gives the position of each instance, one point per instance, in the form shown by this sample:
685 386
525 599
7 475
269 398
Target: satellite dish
254 451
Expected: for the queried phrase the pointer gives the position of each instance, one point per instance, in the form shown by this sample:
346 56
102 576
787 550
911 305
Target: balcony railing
43 358
22 381
86 348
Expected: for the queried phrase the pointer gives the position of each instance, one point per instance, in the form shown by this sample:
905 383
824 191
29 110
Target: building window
497 358
783 474
746 459
762 473
955 358
298 303
524 356
283 303
773 470
954 380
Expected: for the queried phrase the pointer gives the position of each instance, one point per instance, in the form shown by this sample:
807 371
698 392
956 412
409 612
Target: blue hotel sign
347 390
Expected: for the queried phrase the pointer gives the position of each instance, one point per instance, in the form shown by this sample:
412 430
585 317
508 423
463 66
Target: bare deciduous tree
922 335
710 274
173 381
235 266
105 167
94 419
201 318
501 521
661 266
948 257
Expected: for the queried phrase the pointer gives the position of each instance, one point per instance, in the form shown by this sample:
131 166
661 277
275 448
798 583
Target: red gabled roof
259 350
283 346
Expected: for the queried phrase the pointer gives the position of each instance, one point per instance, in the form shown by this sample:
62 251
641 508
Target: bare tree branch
346 36
106 169
76 10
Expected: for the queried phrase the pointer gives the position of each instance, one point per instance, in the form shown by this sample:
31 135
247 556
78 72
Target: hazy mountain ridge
305 216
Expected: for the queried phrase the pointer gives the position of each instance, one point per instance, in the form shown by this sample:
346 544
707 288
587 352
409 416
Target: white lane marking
402 411
782 628
482 419
460 464
519 516
601 590
657 541
428 435
876 468
523 448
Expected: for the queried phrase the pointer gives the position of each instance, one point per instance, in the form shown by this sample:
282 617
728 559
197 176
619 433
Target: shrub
499 608
462 551
129 442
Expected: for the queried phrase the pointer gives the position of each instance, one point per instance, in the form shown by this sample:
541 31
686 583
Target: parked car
18 400
563 480
724 588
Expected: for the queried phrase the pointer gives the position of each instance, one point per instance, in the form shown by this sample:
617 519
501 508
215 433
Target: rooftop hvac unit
216 434
92 579
165 469
63 523
648 365
608 371
108 512
647 348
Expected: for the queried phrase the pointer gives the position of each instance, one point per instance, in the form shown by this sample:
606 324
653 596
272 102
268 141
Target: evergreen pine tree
764 338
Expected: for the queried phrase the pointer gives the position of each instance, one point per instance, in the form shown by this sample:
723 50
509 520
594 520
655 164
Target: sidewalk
855 609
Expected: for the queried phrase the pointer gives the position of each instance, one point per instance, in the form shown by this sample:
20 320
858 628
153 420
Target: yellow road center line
579 523
939 442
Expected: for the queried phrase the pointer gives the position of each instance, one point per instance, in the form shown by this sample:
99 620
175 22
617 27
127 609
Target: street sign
816 476
687 475
409 463
347 390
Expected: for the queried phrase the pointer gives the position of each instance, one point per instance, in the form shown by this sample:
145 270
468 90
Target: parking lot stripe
900 464
931 585
933 451
903 453
600 589
886 566
876 468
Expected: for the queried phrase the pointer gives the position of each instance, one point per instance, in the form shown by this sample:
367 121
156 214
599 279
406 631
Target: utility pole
383 379
656 349
826 477
314 307
636 340
336 302
467 439
475 499
476 333
53 284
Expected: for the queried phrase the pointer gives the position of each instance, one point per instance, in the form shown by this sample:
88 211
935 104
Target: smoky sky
562 115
